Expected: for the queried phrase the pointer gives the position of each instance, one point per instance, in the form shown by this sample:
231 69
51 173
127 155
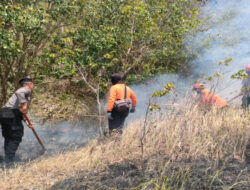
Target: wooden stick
34 131
234 98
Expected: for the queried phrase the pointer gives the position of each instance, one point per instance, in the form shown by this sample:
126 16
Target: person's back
22 95
117 92
207 98
118 111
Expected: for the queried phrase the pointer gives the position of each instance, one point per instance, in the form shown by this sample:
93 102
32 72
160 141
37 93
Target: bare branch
132 31
139 59
85 80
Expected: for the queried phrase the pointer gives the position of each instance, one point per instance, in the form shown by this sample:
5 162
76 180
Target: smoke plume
224 33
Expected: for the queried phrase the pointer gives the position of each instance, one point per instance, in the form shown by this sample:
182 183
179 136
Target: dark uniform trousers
245 105
247 152
117 121
12 131
245 102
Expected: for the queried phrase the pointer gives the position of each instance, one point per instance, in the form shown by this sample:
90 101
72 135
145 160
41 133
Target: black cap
115 78
25 79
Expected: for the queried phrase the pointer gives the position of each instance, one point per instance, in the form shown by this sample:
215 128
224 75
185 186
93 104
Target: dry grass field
187 149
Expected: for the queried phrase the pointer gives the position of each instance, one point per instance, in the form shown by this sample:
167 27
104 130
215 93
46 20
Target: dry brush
184 139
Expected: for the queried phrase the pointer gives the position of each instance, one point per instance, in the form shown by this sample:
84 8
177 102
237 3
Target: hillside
188 149
161 48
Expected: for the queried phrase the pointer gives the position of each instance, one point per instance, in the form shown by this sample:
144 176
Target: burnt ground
56 137
150 174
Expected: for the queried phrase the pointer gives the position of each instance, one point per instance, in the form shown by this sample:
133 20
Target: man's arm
22 101
241 93
202 99
111 100
23 107
134 98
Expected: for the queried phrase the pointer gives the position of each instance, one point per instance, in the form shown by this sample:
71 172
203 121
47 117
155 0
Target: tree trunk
4 88
99 112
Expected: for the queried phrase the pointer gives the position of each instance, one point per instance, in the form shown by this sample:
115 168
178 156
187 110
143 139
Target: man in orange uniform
117 91
207 98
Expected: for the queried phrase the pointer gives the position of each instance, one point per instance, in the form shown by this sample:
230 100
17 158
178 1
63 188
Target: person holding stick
245 92
208 99
11 116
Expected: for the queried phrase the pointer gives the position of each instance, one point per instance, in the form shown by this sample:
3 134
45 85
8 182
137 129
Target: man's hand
132 110
109 115
30 125
27 121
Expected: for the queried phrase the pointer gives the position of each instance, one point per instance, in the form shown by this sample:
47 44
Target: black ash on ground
56 137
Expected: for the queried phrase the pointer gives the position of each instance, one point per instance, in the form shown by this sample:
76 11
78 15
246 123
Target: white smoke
145 91
225 34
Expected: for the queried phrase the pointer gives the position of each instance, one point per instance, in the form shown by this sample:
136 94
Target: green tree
136 38
26 28
91 39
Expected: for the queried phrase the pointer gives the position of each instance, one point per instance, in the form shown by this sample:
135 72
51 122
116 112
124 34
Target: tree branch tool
234 98
34 131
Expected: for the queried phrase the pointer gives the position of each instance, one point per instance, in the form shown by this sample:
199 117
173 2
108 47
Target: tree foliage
137 38
26 28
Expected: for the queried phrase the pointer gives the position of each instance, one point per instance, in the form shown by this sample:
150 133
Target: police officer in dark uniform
11 116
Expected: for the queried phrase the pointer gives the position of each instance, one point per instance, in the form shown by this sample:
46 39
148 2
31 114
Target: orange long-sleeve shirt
116 92
210 99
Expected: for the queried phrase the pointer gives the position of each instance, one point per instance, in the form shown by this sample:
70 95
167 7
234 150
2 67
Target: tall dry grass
187 135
